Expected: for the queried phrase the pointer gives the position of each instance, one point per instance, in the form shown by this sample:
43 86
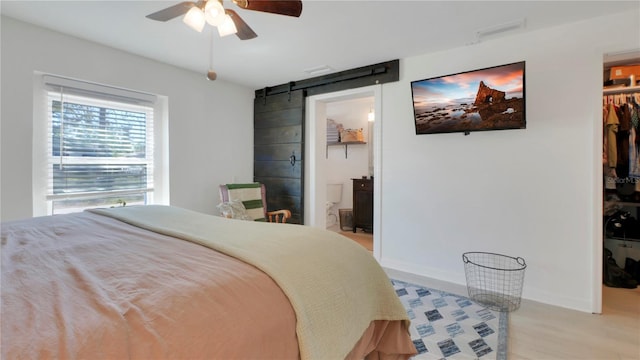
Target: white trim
111 92
597 241
315 171
160 193
86 195
597 203
40 158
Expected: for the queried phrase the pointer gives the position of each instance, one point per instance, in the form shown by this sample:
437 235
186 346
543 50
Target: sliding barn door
279 150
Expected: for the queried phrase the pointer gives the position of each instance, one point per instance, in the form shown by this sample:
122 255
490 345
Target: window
100 146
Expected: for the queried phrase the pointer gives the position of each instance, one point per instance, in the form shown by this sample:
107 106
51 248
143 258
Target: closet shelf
622 238
627 203
621 90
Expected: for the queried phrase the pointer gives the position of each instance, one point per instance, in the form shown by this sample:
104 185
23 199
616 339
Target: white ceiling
338 34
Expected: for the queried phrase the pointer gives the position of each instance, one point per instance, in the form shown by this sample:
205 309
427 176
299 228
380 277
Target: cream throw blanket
335 286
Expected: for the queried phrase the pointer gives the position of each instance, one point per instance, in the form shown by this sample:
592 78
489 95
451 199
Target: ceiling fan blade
282 7
244 31
172 11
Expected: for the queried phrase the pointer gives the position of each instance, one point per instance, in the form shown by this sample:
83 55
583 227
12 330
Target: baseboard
437 279
425 276
540 296
456 289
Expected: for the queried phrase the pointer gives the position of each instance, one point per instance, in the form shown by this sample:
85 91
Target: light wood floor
543 332
546 332
361 237
539 332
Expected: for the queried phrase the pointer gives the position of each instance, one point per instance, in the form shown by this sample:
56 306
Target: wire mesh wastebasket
346 219
494 280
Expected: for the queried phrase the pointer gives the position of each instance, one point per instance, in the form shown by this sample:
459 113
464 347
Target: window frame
101 95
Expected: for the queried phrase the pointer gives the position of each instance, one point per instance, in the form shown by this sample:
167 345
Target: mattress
95 285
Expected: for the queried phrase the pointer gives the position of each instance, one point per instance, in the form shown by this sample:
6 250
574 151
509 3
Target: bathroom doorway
332 165
353 160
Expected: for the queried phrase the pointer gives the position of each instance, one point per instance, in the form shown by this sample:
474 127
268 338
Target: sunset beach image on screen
485 99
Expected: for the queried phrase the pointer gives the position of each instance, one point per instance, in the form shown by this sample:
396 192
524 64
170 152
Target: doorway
319 109
620 196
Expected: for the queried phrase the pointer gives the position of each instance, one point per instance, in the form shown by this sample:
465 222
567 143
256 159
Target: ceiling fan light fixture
195 19
228 27
214 13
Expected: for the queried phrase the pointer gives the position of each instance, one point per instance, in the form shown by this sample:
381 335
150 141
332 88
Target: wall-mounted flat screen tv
485 99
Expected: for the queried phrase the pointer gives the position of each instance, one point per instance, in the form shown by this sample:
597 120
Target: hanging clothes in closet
621 139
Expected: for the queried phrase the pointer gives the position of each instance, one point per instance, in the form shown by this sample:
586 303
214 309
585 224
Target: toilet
334 196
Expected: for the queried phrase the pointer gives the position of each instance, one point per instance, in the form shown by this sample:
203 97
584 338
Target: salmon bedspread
123 283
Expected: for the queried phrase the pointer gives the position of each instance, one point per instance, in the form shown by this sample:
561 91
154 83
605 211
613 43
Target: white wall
533 193
207 120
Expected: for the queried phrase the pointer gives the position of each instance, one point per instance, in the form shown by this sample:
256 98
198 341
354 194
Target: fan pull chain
211 75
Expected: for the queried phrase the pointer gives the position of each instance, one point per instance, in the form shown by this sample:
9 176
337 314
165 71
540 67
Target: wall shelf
345 144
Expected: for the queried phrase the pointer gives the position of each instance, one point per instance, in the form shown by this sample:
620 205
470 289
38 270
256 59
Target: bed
160 282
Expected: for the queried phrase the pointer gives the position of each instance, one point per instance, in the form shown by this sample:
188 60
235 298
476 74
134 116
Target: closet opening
621 180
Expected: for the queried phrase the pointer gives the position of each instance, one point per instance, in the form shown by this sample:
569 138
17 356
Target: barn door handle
292 159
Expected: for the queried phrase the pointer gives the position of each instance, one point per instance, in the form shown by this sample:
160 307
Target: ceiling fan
228 22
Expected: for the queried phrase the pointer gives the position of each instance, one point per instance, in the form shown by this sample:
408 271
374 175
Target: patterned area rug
448 326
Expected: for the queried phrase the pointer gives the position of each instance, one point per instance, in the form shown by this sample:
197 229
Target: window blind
100 147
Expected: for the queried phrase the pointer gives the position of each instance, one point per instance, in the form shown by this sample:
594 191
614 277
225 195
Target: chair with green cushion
253 198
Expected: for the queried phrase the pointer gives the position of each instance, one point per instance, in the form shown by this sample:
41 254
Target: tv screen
485 99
